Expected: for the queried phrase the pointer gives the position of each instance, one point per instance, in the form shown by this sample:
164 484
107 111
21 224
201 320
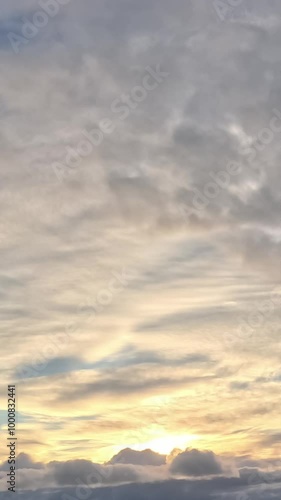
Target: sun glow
166 444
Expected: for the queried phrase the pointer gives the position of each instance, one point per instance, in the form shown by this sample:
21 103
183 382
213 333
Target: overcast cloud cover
140 243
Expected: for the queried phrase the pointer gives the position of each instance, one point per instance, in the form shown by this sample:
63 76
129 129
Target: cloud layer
131 466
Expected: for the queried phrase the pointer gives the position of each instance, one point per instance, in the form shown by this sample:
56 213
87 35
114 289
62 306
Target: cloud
126 358
271 439
66 473
24 461
214 489
122 386
145 472
196 463
145 457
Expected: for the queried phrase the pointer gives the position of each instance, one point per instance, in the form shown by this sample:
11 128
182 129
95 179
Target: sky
140 246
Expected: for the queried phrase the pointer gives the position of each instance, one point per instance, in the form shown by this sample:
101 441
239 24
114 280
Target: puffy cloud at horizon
144 457
142 467
140 304
196 463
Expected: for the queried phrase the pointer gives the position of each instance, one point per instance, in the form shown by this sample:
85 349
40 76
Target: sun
166 444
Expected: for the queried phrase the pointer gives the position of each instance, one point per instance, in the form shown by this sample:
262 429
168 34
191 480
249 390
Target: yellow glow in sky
164 444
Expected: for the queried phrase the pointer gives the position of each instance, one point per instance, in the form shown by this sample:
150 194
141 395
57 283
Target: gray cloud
196 463
214 489
24 461
123 386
